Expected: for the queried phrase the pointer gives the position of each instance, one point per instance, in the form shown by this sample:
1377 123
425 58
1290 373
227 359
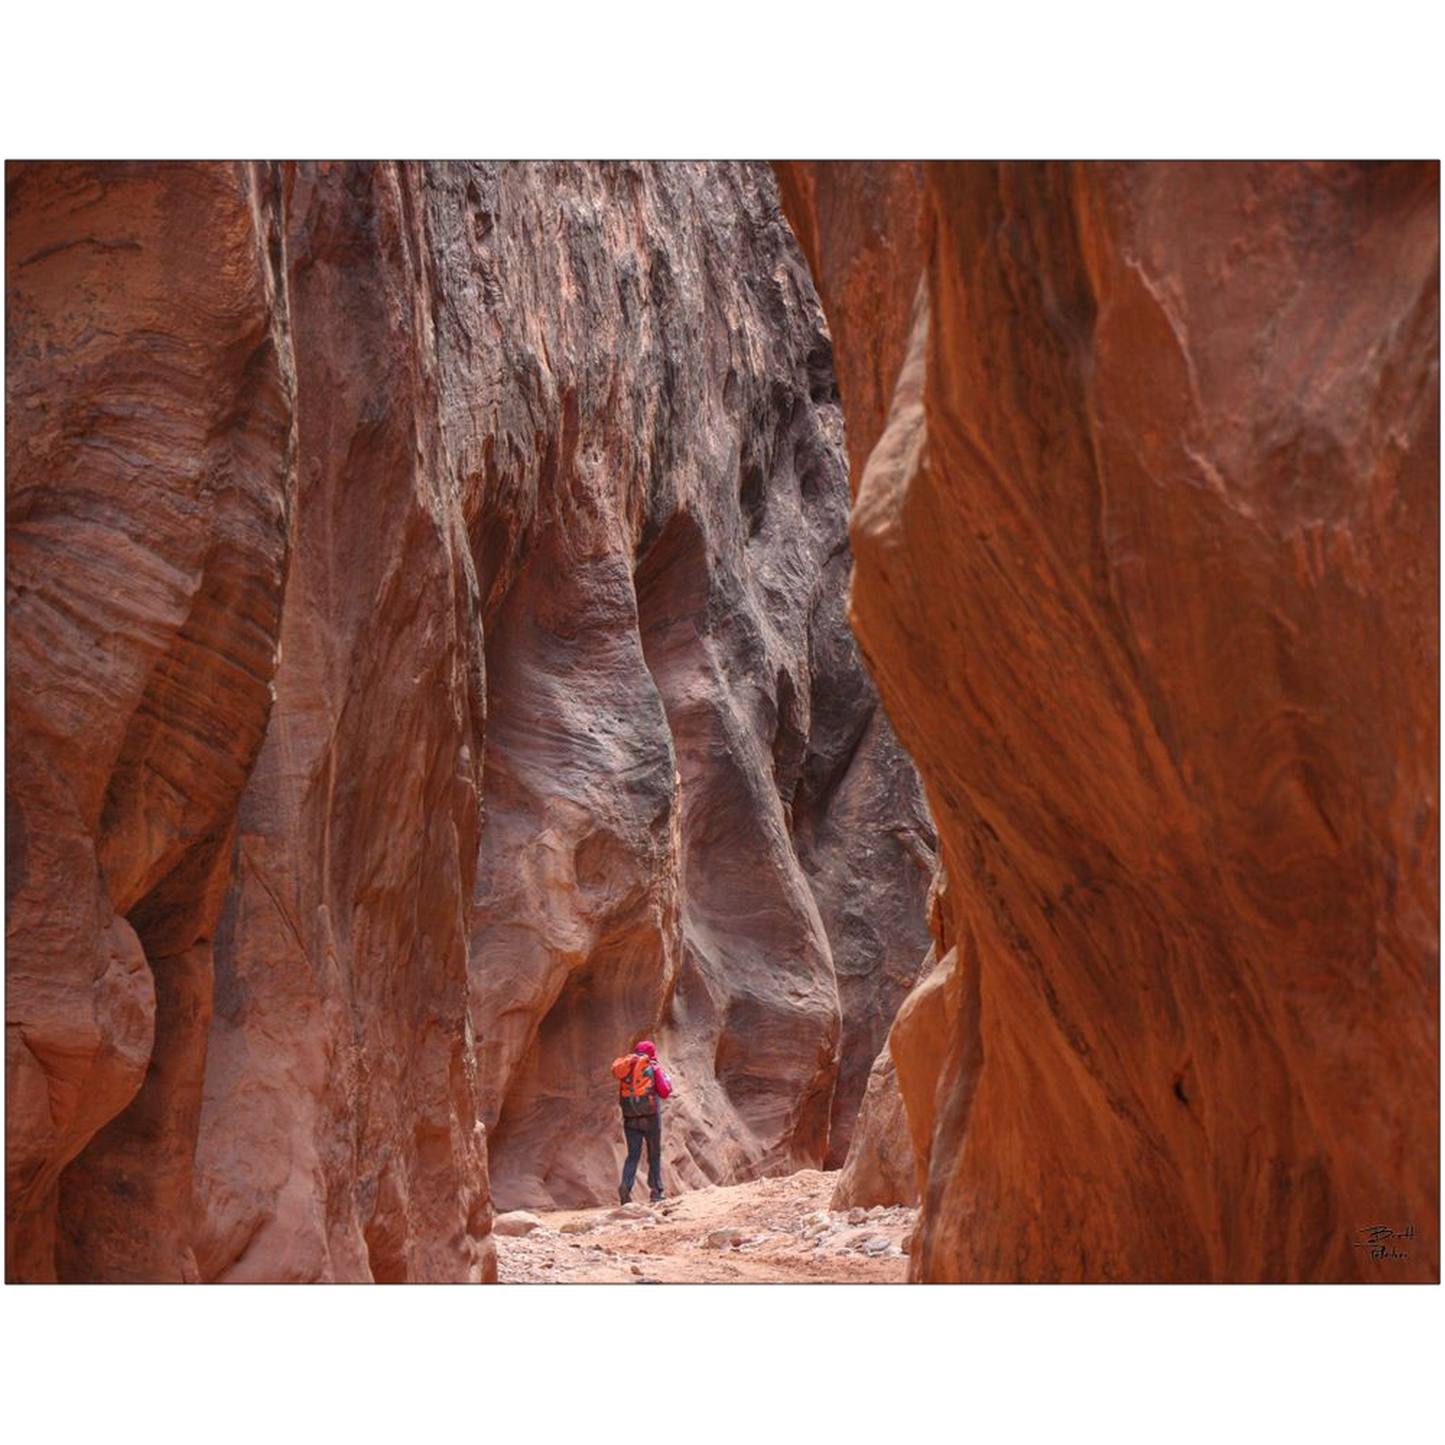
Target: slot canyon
948 650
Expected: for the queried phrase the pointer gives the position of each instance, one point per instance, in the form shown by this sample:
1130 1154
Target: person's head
645 1046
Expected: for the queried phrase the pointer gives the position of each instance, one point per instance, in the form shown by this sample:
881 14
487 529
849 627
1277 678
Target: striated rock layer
339 1136
1147 573
149 441
427 668
698 823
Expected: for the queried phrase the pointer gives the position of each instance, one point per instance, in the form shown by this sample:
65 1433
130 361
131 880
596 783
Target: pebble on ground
779 1230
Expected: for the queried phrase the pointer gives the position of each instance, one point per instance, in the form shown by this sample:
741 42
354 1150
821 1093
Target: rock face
698 823
150 389
887 1160
339 1134
427 668
881 1166
1147 572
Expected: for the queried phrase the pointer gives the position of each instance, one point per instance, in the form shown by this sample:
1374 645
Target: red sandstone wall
427 664
1147 573
149 494
697 821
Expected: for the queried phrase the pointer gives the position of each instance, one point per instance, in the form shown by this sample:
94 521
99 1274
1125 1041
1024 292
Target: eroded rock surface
149 389
698 823
1147 572
339 1136
427 669
881 1166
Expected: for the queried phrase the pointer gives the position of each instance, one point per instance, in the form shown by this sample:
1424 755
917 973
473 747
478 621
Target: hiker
642 1084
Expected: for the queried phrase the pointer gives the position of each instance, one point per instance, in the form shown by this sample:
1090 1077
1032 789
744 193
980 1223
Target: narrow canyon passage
547 729
948 651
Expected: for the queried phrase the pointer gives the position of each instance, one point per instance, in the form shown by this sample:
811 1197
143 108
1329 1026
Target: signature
1383 1242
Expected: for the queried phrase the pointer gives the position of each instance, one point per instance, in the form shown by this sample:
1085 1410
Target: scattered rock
856 1215
517 1222
731 1232
576 1226
630 1211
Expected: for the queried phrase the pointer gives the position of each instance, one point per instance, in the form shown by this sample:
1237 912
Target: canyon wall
697 822
1147 543
149 495
427 669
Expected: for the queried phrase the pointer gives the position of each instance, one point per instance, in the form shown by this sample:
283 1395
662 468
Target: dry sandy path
771 1230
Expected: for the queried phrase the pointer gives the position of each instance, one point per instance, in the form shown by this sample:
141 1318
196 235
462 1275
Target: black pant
636 1131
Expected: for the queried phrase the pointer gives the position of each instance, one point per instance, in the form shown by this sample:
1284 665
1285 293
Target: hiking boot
625 1196
655 1198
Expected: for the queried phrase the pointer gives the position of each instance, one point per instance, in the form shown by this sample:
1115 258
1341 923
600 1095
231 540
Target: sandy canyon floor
771 1230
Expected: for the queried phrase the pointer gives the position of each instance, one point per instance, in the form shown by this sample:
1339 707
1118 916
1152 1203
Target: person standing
642 1084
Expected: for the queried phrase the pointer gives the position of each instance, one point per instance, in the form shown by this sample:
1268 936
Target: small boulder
631 1211
517 1222
722 1238
576 1226
856 1215
875 1246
